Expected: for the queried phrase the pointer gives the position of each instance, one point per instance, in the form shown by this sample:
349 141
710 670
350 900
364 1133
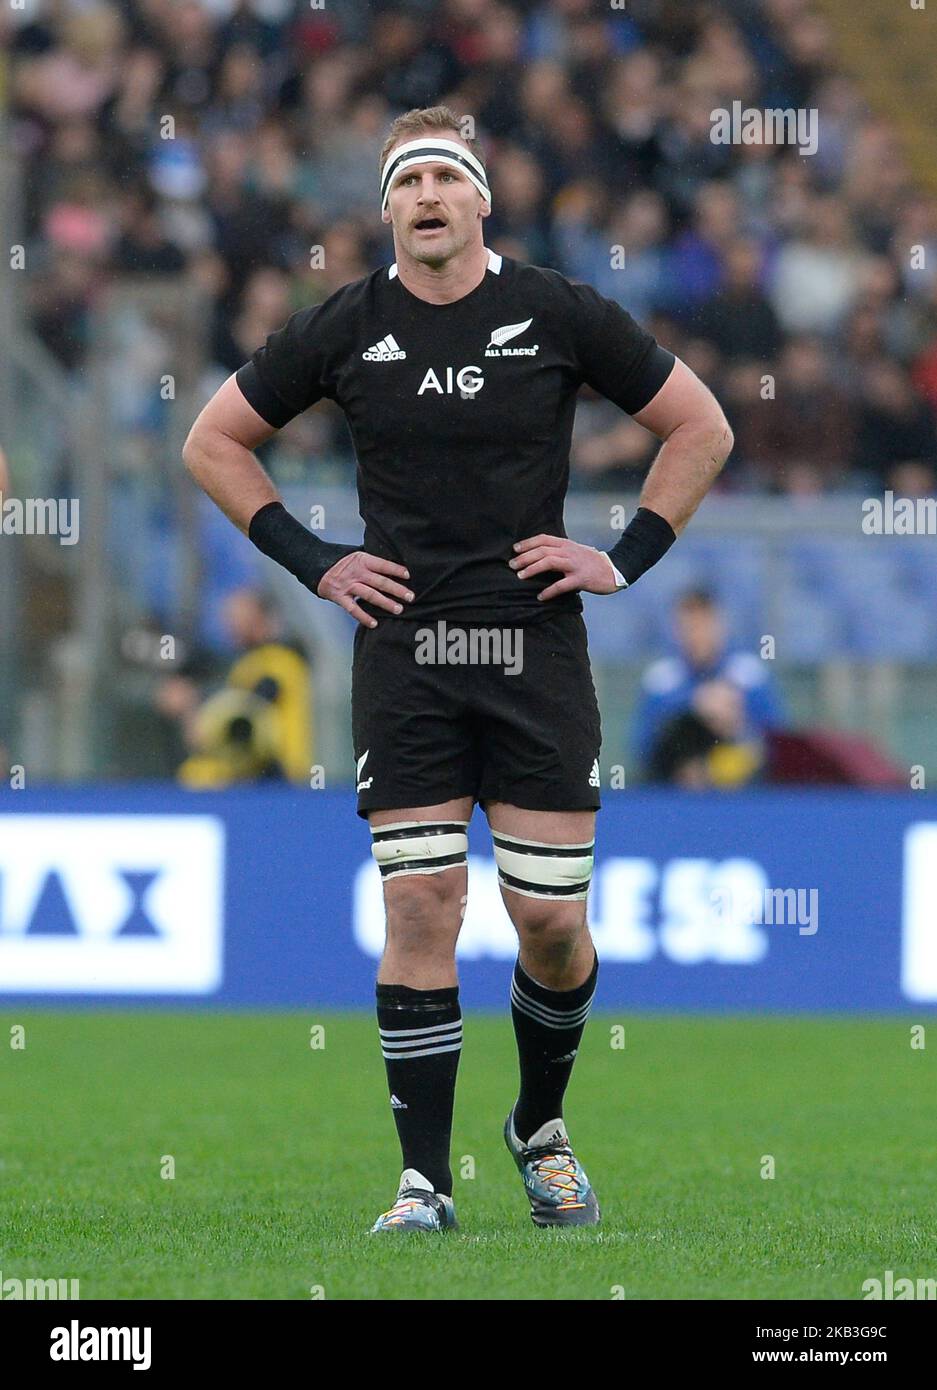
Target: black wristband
646 538
278 534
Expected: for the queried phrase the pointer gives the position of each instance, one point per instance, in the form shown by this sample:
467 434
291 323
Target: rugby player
458 371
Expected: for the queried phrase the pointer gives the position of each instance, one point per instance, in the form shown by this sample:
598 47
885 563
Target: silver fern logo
503 335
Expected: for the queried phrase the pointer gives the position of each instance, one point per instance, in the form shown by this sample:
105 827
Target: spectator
895 424
597 130
264 306
143 248
699 259
807 419
259 726
519 209
739 318
816 277
730 691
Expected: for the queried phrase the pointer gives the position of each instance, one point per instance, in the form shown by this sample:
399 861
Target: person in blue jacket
731 691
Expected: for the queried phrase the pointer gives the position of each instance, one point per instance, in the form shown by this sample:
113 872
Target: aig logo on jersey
504 335
111 904
467 381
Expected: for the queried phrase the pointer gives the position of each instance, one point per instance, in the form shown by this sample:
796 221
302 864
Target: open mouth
430 224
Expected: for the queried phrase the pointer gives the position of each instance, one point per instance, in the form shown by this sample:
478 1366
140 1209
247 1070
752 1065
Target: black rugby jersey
461 417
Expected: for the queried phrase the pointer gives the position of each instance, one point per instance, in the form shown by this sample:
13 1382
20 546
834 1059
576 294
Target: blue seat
886 624
811 629
617 627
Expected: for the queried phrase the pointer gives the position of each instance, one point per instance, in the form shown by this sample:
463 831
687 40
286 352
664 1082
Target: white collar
494 264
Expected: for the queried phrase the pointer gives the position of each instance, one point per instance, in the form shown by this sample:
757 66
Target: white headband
428 147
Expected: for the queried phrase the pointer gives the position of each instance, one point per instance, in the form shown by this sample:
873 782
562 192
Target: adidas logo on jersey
387 350
594 775
500 336
396 1104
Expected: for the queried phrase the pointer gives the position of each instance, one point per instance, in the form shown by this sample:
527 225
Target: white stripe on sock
550 1018
418 1032
424 1052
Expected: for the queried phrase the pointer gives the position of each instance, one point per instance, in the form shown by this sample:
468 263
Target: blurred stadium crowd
746 259
232 145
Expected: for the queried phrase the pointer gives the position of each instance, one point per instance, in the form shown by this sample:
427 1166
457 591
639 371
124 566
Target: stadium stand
230 147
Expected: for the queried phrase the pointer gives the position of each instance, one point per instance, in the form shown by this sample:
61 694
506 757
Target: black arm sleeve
278 534
643 542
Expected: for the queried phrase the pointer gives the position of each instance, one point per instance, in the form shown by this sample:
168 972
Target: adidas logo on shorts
594 775
387 350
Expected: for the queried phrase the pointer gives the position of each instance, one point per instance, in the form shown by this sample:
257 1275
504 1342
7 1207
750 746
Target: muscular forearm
688 463
230 474
228 471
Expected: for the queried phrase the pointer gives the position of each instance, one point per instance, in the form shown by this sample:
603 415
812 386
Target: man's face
245 619
434 194
700 632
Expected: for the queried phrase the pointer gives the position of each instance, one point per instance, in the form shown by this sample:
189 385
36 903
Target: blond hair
421 119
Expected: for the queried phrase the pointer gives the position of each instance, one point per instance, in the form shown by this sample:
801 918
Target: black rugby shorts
458 723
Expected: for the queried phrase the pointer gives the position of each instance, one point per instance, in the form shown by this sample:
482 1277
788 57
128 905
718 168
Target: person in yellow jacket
259 726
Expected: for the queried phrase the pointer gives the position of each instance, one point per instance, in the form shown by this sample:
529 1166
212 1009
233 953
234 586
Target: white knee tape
540 870
419 847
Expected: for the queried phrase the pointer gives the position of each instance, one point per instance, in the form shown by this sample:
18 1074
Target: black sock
421 1038
548 1025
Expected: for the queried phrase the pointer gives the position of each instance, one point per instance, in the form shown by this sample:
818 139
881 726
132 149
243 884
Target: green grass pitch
284 1154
